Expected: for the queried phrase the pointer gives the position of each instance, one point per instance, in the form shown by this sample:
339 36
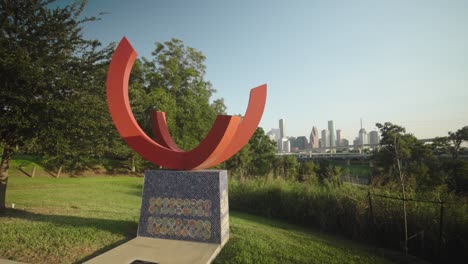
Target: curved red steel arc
217 140
161 132
246 128
244 132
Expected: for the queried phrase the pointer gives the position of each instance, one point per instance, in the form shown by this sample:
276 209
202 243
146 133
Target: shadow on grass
103 250
24 172
136 189
126 228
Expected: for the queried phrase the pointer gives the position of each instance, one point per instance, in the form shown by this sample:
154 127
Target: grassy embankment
345 210
73 219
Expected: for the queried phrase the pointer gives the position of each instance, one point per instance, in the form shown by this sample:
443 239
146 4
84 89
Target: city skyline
361 137
350 134
329 137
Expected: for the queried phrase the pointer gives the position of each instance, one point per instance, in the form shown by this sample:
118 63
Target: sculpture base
179 209
185 205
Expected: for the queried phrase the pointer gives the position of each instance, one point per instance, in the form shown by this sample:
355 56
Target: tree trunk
59 171
402 182
33 173
4 165
133 169
405 245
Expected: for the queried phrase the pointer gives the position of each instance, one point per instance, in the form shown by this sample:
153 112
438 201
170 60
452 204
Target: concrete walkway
6 261
160 251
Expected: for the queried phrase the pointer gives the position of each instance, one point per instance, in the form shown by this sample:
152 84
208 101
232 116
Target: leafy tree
327 172
307 172
256 158
452 143
455 170
263 153
287 166
175 76
457 138
48 76
419 164
240 162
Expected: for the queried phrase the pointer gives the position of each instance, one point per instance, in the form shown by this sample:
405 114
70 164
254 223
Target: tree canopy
421 165
51 78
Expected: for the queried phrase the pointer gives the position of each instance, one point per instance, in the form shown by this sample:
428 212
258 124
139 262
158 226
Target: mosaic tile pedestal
184 218
185 205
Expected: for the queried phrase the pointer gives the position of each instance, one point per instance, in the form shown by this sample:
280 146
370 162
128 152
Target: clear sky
400 61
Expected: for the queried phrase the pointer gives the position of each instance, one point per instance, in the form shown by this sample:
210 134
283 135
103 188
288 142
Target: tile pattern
185 205
196 229
177 206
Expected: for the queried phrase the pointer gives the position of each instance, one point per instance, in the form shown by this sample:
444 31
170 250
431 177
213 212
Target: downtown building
283 143
338 138
374 139
325 139
314 138
363 138
331 131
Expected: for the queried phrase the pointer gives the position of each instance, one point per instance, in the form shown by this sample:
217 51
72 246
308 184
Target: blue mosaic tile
185 205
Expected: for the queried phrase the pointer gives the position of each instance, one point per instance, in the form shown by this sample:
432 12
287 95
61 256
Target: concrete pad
161 251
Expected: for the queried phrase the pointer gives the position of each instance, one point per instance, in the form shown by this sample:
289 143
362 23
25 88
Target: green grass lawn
71 220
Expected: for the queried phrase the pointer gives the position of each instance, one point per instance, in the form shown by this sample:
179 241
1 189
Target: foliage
307 172
452 143
344 209
457 138
239 163
174 78
263 153
51 100
400 148
423 165
255 159
287 167
328 172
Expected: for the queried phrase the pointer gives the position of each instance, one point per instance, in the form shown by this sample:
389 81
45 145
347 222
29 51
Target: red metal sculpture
227 136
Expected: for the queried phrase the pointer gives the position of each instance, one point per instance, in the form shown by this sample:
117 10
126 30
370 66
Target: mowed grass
259 240
71 220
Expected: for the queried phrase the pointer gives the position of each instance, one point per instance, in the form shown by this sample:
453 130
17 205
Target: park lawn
71 220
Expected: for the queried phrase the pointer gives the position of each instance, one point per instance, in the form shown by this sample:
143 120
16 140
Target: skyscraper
325 138
363 137
331 131
374 138
284 145
282 128
292 143
302 142
314 138
338 137
344 142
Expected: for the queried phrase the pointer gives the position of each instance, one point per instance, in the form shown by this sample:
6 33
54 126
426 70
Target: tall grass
345 210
